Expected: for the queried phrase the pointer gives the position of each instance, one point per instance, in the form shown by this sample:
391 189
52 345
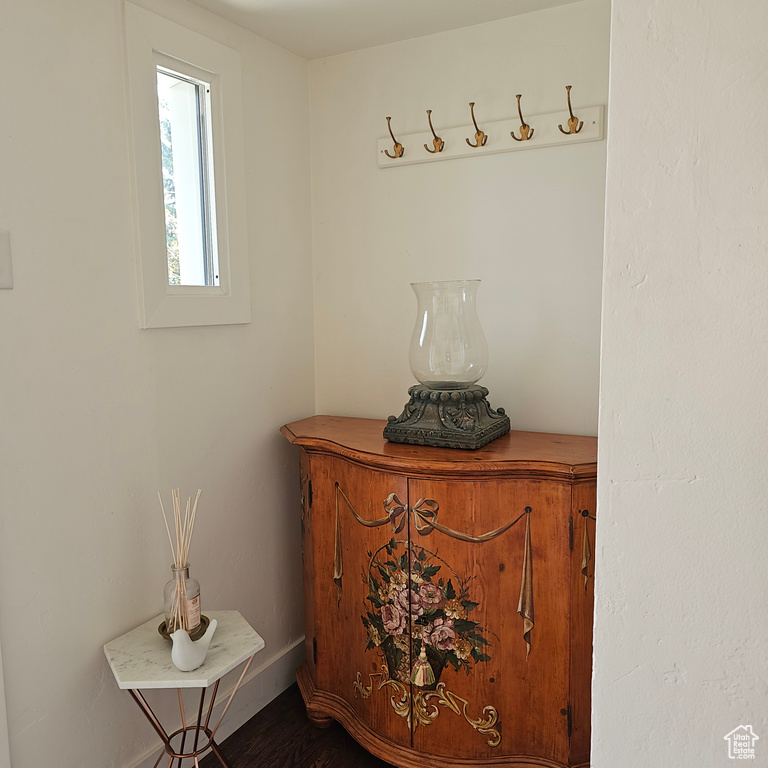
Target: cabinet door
359 594
491 698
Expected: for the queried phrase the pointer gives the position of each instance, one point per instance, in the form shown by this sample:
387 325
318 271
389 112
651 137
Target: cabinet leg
318 719
316 716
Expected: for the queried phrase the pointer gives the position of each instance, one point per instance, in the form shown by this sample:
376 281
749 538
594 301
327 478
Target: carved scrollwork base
447 418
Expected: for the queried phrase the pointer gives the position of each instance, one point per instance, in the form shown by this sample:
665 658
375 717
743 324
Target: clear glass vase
182 601
448 348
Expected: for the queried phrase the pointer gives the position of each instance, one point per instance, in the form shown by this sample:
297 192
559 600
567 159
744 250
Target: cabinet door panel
308 558
582 613
353 662
478 632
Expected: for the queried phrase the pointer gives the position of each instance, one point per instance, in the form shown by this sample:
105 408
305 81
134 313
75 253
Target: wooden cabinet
448 594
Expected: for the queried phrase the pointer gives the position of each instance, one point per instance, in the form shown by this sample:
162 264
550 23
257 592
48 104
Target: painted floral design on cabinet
430 611
418 617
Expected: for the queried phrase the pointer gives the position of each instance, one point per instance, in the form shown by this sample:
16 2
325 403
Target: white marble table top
141 658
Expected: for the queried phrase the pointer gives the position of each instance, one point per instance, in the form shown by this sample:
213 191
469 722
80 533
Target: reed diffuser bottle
182 601
181 595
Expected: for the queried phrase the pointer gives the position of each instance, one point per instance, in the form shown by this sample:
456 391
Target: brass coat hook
437 141
526 132
480 137
399 148
573 121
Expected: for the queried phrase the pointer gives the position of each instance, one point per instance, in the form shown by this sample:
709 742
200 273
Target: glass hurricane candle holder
448 348
448 355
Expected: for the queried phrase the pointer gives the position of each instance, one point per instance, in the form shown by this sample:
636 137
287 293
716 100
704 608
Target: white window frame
152 40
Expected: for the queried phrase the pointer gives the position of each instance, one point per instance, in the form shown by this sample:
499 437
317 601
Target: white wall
528 224
682 604
97 416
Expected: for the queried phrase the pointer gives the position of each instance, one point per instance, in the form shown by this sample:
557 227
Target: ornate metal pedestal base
447 418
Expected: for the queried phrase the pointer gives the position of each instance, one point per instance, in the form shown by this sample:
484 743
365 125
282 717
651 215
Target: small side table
141 658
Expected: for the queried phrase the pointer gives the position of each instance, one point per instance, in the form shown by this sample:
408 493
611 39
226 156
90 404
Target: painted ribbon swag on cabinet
420 608
586 547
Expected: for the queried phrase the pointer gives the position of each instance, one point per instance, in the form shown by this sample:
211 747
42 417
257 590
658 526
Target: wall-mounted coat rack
510 135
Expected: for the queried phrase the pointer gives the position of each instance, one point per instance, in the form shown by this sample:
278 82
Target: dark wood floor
281 736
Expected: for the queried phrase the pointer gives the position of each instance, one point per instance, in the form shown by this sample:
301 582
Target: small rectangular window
186 117
184 105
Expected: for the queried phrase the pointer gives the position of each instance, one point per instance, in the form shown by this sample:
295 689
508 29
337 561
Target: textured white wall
528 224
98 415
682 604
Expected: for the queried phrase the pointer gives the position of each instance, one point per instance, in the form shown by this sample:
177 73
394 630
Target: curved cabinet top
570 458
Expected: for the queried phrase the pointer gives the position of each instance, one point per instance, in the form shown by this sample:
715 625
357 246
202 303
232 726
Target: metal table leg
197 728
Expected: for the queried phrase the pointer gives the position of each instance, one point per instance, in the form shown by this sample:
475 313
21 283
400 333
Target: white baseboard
261 685
5 753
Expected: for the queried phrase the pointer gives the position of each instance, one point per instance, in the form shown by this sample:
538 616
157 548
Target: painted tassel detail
422 671
525 604
338 569
586 554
